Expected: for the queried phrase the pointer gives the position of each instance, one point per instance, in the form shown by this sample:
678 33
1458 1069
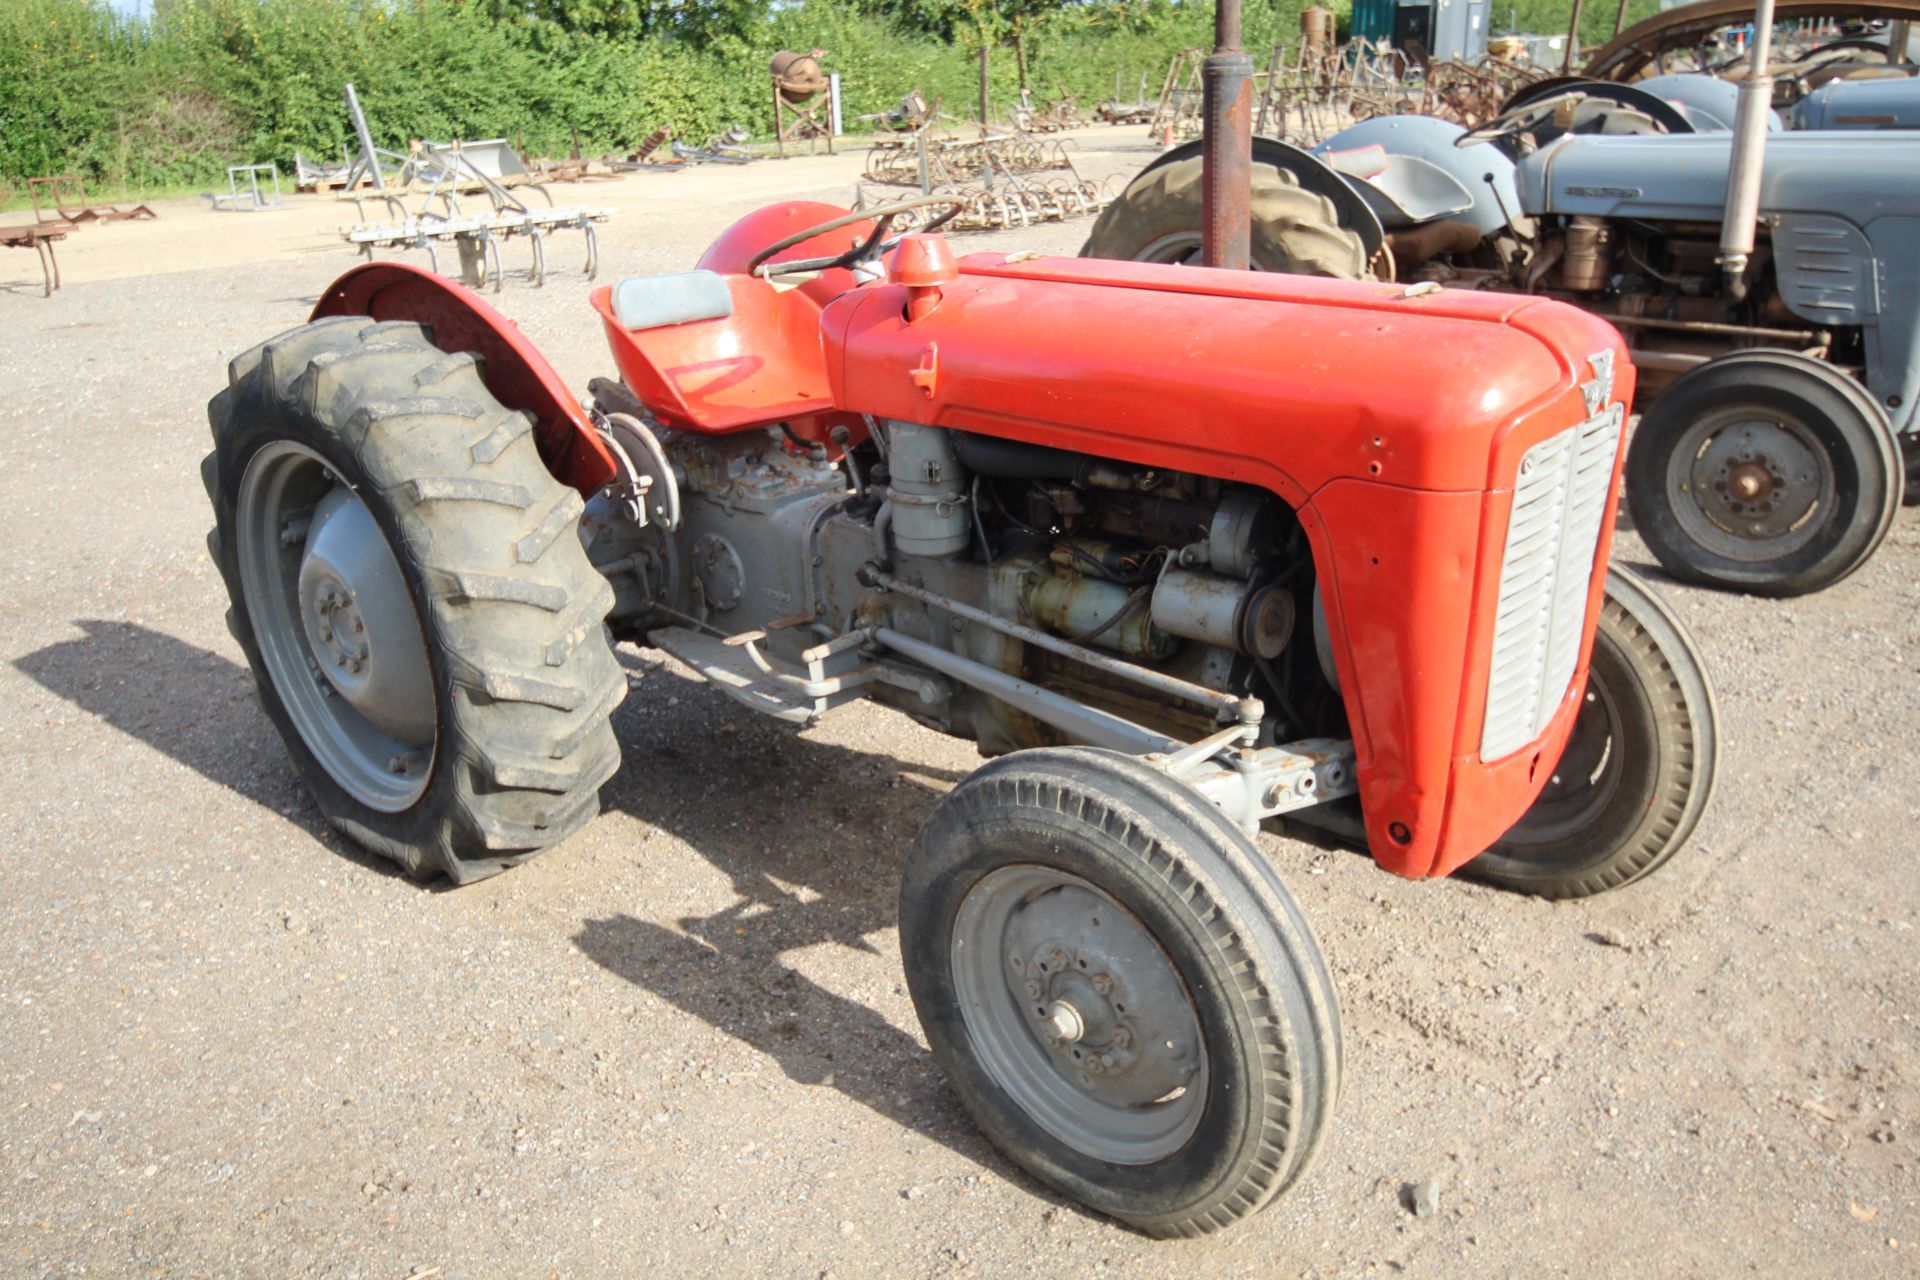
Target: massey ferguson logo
1599 389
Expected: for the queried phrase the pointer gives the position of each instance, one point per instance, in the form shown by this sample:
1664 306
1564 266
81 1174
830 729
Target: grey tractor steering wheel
866 251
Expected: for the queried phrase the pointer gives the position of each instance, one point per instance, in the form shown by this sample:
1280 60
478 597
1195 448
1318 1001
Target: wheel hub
1080 1014
1752 480
1079 1011
360 623
336 626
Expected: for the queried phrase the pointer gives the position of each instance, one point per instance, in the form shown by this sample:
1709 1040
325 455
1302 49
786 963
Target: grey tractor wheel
1767 472
409 587
1158 219
1120 989
1638 770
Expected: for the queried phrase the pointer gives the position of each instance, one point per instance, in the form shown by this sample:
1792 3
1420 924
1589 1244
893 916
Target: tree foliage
207 83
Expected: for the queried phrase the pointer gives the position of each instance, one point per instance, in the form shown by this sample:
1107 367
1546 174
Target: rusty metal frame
1631 54
62 187
39 236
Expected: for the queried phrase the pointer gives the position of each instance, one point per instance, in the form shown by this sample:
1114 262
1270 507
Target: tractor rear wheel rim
336 626
1751 488
1077 1013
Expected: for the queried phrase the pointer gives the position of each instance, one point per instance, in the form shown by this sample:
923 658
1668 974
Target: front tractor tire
1120 989
1158 218
409 587
1638 769
1767 472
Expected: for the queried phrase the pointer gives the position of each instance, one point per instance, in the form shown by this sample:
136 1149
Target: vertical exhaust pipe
1573 39
1749 154
1227 145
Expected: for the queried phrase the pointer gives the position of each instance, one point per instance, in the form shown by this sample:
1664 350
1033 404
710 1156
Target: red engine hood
1393 421
1284 381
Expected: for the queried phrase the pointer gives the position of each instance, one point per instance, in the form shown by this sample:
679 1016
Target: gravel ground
231 1044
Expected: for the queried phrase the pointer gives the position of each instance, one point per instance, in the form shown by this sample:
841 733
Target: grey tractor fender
1860 104
1429 176
1707 102
1312 173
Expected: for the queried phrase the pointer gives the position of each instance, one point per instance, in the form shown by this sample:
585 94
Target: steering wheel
867 250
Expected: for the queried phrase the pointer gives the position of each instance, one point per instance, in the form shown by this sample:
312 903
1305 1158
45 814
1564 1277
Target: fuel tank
1393 419
1857 175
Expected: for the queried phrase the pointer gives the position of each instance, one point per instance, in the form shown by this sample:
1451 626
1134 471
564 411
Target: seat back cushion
648 302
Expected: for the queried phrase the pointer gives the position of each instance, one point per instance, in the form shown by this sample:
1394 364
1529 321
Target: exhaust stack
1749 153
1227 145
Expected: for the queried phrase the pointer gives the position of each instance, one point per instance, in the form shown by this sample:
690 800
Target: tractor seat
1359 162
713 352
647 302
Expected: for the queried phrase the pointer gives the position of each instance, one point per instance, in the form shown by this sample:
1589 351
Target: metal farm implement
1003 180
450 169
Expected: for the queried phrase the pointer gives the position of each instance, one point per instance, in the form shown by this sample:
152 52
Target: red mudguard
513 369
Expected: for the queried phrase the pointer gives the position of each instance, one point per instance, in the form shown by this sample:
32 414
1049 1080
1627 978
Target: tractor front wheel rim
1078 1015
1752 488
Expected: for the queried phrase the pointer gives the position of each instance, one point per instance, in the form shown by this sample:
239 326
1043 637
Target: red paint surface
761 365
513 369
1393 424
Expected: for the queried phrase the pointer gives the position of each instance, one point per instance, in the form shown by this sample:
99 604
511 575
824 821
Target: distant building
1442 28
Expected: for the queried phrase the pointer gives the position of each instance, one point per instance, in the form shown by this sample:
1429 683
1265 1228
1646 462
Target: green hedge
206 83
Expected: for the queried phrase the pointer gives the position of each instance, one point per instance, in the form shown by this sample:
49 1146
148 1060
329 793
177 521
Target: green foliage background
169 102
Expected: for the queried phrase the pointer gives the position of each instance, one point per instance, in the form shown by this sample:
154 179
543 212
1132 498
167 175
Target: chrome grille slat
1546 569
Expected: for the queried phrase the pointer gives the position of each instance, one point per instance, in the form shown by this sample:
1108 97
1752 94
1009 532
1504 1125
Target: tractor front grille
1559 502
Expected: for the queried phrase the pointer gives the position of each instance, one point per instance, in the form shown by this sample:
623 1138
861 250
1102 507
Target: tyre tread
523 753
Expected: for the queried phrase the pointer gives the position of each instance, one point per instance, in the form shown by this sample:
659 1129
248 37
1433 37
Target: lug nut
1103 984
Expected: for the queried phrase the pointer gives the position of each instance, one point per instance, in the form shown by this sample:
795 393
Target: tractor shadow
190 703
810 835
736 983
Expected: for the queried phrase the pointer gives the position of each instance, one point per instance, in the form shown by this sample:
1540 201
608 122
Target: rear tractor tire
1767 472
408 585
1638 769
1120 989
1158 219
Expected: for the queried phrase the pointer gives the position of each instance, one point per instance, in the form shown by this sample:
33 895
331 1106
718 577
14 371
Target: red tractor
1077 511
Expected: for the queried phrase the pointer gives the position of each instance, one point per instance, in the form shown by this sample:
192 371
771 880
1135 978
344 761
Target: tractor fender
1666 113
1709 103
511 366
1432 141
1312 173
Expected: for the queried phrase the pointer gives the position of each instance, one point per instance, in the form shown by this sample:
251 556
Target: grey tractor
1777 398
